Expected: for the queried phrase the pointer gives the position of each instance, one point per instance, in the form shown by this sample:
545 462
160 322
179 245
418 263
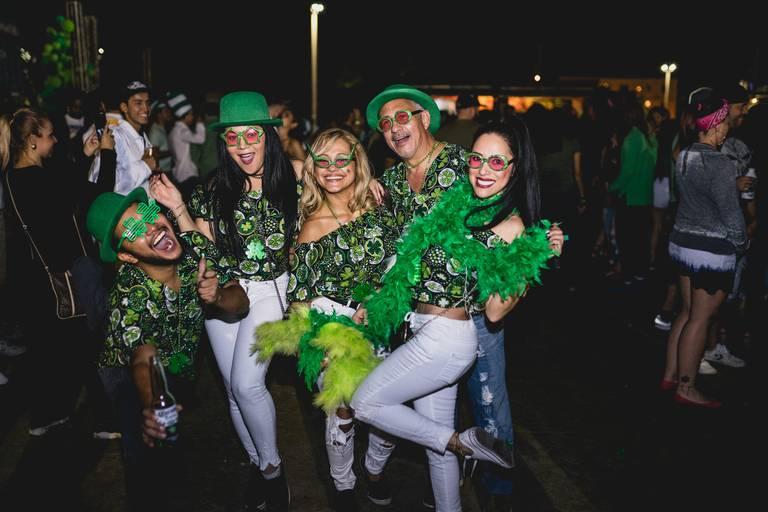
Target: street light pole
667 69
314 10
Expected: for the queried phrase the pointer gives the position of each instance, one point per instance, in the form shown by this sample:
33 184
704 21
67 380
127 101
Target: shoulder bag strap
24 225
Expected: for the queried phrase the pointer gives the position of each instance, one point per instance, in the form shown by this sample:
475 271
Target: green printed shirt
355 253
442 285
261 227
142 310
444 172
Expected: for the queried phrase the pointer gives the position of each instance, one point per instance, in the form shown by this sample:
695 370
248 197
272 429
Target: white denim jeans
340 445
424 370
250 404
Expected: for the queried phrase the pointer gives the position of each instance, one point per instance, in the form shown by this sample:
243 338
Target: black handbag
68 305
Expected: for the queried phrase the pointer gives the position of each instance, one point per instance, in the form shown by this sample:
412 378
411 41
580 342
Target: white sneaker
721 354
706 369
41 431
661 324
3 379
486 447
10 349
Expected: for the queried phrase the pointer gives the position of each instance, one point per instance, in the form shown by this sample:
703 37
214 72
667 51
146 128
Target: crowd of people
229 223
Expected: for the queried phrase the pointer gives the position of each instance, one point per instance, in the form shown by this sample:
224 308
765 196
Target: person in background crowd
161 117
462 130
708 234
187 130
135 161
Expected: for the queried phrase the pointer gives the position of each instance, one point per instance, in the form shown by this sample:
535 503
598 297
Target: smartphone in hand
100 123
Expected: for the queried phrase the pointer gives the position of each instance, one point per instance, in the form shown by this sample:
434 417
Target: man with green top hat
162 291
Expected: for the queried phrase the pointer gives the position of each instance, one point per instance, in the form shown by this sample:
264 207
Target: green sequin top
442 285
444 172
261 227
338 262
142 310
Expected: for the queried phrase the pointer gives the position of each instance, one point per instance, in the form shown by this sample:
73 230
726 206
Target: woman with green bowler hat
248 207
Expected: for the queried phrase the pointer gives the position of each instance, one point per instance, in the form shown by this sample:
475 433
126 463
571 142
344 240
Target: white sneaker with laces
721 354
706 369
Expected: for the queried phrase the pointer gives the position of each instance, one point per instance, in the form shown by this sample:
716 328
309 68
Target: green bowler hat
104 214
398 91
243 108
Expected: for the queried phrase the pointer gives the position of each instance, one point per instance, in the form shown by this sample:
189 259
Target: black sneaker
277 492
255 493
379 491
345 501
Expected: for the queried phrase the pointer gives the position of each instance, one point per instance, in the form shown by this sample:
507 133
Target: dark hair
278 184
522 190
733 93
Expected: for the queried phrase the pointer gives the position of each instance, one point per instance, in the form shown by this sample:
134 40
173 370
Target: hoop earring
34 146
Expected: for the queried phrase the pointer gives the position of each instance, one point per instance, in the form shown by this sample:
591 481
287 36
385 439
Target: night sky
365 45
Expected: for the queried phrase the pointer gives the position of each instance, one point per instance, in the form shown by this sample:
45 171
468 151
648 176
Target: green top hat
397 91
104 214
244 108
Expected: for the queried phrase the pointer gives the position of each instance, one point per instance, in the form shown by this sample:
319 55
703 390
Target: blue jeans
488 395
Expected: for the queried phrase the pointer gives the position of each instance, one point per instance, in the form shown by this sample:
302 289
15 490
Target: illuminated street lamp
314 10
667 69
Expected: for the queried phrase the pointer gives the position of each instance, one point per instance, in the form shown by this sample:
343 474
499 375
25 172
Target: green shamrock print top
142 310
261 227
442 285
444 172
355 253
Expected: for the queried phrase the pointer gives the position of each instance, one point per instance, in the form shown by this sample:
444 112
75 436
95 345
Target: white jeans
250 404
340 445
424 370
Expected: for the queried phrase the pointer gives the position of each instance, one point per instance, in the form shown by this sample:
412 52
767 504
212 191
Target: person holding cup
135 161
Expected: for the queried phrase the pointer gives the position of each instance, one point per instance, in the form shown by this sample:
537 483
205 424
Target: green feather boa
313 336
506 270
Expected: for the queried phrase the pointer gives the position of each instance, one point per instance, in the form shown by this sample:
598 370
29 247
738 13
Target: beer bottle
164 404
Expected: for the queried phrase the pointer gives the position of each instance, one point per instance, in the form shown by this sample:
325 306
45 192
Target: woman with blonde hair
345 239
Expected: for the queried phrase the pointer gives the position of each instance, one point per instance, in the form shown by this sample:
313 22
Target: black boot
255 493
278 494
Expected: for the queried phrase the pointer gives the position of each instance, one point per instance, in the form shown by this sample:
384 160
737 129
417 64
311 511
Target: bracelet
176 210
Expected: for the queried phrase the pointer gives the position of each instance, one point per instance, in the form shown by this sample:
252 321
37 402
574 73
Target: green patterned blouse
344 258
262 229
442 285
444 172
142 310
